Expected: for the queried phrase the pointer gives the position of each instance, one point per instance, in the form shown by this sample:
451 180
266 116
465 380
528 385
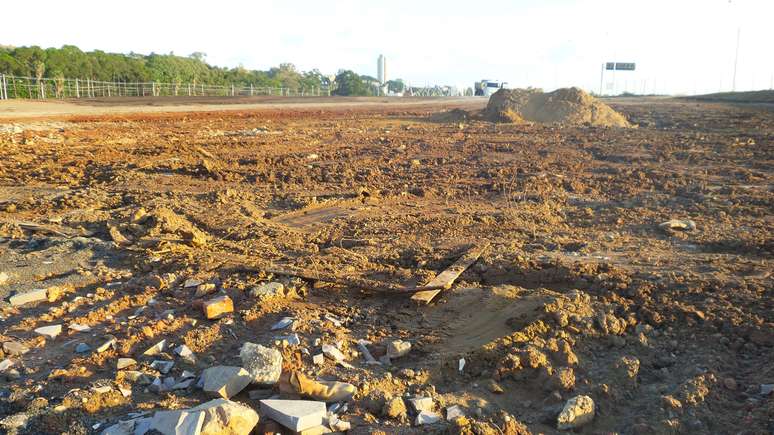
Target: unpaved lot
580 292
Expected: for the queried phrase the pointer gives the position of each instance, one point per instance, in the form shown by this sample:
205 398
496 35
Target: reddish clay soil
581 291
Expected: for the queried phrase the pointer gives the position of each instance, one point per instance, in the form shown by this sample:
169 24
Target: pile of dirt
569 106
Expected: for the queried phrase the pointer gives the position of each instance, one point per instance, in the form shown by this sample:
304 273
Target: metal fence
33 88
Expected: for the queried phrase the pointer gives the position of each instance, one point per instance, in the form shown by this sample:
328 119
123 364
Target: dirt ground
581 291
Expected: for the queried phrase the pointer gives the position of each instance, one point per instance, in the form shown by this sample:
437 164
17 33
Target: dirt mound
570 106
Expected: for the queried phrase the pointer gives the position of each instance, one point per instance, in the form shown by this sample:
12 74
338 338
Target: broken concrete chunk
110 341
120 428
14 348
398 348
264 364
422 404
179 422
218 307
425 417
5 365
156 349
453 412
29 297
297 415
51 331
79 328
4 277
223 416
162 366
125 362
225 381
186 354
282 323
82 348
190 282
678 225
268 290
204 289
318 359
332 352
577 412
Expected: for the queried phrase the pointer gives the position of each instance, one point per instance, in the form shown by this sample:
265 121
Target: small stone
577 412
494 387
32 296
297 415
283 323
766 389
422 404
289 340
395 408
453 412
268 290
156 349
13 423
51 331
110 341
190 282
225 381
204 289
332 352
407 373
79 328
425 417
318 359
262 363
398 348
162 366
5 365
730 383
4 277
182 385
14 348
186 354
218 307
102 389
82 348
125 362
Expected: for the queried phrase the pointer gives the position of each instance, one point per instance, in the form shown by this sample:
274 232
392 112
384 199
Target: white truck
486 88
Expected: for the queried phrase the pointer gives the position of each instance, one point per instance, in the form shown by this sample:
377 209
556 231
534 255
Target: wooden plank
445 279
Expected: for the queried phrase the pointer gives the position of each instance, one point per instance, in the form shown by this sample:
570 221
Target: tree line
71 62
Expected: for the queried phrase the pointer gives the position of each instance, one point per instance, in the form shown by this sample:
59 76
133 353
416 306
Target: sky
679 46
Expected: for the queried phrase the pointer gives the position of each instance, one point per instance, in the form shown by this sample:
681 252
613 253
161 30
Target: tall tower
381 69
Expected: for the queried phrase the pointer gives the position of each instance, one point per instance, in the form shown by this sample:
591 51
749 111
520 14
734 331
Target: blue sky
680 46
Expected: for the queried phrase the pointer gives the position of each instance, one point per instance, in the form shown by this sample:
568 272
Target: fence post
2 91
232 89
153 89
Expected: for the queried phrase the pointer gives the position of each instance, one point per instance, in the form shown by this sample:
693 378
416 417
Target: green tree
350 84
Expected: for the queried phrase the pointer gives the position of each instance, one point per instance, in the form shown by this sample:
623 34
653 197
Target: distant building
381 69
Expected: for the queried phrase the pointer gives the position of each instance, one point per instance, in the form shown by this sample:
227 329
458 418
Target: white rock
425 417
297 415
156 349
225 381
268 290
398 348
51 331
5 364
454 411
283 323
577 412
179 422
4 278
123 363
190 282
162 366
332 352
120 428
223 416
37 295
110 342
79 328
186 354
318 359
263 363
422 404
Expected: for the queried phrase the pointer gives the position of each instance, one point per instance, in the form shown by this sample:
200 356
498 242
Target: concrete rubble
262 363
577 412
225 381
297 415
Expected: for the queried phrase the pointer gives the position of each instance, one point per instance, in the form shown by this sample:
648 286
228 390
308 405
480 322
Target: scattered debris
577 412
51 331
327 391
262 363
218 307
297 415
445 279
225 381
